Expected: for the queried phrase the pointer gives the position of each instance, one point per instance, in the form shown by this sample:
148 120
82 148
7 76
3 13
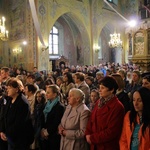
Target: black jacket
53 120
124 99
18 125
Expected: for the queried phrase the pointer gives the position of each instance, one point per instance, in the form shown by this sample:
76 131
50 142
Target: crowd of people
103 107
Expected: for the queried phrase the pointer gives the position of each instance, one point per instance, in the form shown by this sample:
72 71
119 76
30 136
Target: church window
53 41
110 1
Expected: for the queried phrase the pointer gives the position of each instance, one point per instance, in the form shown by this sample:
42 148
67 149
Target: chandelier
3 31
115 40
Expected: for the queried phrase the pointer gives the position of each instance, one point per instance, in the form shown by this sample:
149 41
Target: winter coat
74 121
105 125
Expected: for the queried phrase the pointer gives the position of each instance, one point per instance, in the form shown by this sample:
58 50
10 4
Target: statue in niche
139 43
130 44
78 48
78 52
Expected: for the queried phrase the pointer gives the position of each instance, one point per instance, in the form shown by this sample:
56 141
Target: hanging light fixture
115 40
3 31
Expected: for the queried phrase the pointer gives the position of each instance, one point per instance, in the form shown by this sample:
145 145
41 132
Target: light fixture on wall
96 48
3 31
115 40
44 48
17 50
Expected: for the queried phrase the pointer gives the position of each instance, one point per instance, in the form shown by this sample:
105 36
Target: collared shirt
103 101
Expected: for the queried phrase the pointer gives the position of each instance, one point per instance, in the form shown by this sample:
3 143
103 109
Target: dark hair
147 77
49 81
90 78
43 97
145 95
80 76
137 72
110 83
15 84
31 87
39 79
6 69
31 76
69 76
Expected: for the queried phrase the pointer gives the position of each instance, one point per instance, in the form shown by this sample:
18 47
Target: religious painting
130 43
17 21
139 43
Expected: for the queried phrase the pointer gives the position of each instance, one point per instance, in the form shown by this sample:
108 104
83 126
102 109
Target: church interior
46 33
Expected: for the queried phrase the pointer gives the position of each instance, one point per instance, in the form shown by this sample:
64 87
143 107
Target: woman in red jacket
105 124
136 127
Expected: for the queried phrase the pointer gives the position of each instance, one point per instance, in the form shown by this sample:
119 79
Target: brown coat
74 121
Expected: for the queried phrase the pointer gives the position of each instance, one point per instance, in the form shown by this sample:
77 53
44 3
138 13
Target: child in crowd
94 96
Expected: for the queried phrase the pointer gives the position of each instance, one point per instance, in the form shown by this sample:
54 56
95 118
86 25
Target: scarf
103 101
49 105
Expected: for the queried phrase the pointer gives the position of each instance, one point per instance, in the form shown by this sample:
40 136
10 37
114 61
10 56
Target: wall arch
76 42
109 54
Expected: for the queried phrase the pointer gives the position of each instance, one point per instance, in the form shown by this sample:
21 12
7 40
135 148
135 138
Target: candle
6 33
3 21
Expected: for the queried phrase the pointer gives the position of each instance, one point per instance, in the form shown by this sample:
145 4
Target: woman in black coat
39 104
18 130
3 101
52 115
121 93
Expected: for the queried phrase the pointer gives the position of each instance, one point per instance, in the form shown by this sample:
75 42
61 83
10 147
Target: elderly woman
105 123
74 121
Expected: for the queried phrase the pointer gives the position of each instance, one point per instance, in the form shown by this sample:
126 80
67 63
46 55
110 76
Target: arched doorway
106 53
74 41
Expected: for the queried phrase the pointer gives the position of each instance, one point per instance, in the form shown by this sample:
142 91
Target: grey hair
78 93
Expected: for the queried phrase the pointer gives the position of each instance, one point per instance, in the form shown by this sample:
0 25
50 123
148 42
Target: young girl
39 104
94 96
